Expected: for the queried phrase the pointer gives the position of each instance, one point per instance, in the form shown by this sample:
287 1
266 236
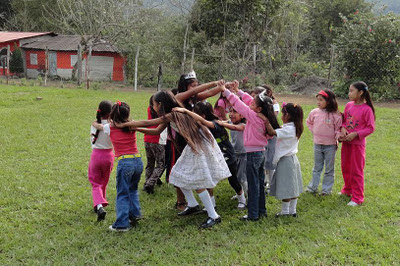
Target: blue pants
255 179
323 155
127 203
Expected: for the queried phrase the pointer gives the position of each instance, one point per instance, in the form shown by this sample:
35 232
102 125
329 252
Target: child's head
293 113
205 110
359 91
103 111
326 100
164 102
187 81
235 117
269 90
256 91
120 113
263 104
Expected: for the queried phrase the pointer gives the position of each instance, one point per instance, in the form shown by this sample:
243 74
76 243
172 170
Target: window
74 58
33 59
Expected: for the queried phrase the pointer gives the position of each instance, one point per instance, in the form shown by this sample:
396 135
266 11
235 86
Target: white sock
213 201
99 206
206 199
191 200
292 207
241 198
285 207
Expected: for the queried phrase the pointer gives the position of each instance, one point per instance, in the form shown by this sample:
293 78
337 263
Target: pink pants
353 162
100 167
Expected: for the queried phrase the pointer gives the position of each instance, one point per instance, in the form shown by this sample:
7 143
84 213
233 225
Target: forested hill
392 5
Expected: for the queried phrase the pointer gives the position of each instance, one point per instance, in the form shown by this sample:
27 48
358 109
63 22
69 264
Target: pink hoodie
254 135
324 126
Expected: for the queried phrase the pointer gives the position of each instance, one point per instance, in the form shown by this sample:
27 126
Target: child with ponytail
101 161
358 123
286 183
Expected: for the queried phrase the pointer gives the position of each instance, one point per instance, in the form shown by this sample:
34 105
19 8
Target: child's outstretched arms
239 127
97 125
195 116
151 131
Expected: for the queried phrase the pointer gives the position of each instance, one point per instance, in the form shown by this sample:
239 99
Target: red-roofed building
16 38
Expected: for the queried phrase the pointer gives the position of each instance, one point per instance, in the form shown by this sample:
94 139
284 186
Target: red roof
8 36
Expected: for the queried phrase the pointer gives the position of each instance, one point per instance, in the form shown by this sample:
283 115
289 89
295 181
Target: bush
16 62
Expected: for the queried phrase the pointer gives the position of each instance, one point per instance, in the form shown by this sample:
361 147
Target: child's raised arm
270 130
200 90
195 116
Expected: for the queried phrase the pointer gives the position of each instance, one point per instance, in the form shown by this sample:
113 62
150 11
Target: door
52 63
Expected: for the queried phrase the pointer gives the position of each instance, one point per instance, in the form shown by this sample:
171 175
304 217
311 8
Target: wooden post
89 56
8 62
79 64
330 65
136 68
192 60
46 65
159 77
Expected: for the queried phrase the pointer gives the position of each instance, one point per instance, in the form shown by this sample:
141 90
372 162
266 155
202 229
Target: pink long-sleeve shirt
254 135
325 126
359 118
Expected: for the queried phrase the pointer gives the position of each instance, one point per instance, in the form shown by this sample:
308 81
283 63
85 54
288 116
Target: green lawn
46 214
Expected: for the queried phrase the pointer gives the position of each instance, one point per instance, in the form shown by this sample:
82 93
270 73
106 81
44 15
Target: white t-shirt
276 107
163 137
103 140
286 141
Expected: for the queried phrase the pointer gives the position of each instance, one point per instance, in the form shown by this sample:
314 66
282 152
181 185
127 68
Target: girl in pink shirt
324 123
254 140
358 123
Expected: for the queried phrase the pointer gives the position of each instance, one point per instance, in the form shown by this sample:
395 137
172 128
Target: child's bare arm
151 131
97 125
270 130
239 127
195 116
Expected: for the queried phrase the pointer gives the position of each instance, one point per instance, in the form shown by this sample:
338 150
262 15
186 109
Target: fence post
79 64
159 77
330 65
8 63
89 56
136 68
46 65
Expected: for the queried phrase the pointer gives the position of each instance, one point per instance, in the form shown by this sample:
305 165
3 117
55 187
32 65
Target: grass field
47 218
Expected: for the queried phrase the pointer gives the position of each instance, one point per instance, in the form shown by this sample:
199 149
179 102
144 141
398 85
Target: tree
5 12
16 62
368 49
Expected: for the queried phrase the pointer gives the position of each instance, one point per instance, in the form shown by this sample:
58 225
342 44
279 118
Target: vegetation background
284 43
46 208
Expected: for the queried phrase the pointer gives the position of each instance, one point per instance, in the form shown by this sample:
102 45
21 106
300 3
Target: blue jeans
323 154
255 180
127 203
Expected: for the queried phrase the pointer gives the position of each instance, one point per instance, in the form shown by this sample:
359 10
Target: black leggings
233 180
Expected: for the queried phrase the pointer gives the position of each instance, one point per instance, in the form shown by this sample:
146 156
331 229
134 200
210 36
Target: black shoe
190 210
210 222
159 182
246 218
294 215
149 189
101 214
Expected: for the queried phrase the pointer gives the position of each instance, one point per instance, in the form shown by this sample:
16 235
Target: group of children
188 135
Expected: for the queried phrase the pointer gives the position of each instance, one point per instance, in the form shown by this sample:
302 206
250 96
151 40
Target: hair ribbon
323 93
119 103
98 110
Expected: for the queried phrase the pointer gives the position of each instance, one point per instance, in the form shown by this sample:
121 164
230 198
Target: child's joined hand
351 136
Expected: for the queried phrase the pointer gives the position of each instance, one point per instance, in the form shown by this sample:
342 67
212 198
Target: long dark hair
187 127
102 112
267 109
269 90
206 109
296 116
120 114
183 83
153 113
221 96
362 86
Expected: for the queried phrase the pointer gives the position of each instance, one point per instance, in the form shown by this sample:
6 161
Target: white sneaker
353 204
241 206
119 229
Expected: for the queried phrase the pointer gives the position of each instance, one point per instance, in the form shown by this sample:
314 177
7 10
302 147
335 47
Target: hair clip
190 75
263 96
366 88
283 104
323 93
119 103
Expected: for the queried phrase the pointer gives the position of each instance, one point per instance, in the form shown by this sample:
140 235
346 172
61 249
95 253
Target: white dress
202 170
